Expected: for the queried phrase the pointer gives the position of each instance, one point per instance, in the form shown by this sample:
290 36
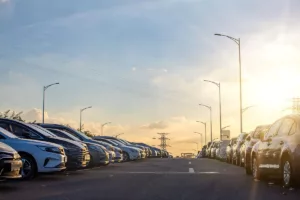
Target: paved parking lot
149 179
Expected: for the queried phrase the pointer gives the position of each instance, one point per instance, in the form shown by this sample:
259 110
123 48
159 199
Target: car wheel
29 169
287 176
126 157
255 169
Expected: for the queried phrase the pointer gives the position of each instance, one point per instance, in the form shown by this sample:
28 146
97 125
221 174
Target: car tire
255 169
286 173
126 157
29 168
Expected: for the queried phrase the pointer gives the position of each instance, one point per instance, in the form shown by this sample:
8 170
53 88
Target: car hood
95 142
15 141
6 148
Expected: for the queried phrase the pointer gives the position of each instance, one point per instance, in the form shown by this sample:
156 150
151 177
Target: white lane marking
191 170
120 172
190 163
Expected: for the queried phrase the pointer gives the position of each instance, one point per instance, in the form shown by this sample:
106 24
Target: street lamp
103 126
204 123
81 110
197 145
219 86
209 107
44 91
215 139
119 135
225 127
201 138
244 109
238 42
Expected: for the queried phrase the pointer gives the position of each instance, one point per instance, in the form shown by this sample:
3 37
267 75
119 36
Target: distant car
37 156
250 141
221 150
142 148
214 148
100 158
278 153
236 157
153 152
10 162
229 150
94 149
204 151
129 153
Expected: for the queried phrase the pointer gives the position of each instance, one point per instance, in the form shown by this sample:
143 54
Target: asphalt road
151 179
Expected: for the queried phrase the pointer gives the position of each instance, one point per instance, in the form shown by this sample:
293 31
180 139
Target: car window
21 132
293 129
273 129
71 132
59 134
285 128
5 126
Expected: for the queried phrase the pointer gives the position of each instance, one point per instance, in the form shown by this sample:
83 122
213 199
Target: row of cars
270 151
29 149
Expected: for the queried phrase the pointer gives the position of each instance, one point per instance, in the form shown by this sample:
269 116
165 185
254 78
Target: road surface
150 179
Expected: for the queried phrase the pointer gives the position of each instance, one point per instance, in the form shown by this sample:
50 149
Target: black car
78 155
204 151
10 162
278 153
229 150
236 157
250 141
207 152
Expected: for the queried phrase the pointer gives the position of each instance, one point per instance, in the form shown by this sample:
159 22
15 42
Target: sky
141 64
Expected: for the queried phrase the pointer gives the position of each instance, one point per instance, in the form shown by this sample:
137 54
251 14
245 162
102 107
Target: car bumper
52 163
78 160
10 169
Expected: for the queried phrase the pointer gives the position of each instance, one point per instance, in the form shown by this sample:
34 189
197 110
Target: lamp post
81 110
197 145
220 107
210 109
244 109
201 138
204 123
119 135
103 126
225 127
238 42
44 93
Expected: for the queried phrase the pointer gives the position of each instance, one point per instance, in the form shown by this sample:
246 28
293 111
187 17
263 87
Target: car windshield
7 133
42 131
116 142
65 133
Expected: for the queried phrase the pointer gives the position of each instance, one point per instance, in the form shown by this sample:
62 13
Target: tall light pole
197 145
220 107
201 138
238 42
44 91
103 126
244 109
210 109
81 110
225 127
204 123
119 135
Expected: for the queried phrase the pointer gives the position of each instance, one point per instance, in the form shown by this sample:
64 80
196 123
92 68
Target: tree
14 115
86 132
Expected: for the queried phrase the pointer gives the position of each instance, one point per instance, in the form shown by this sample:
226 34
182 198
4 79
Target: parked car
213 149
37 156
78 155
99 158
95 150
250 141
153 152
278 153
129 153
203 154
229 150
221 150
142 148
10 162
236 157
207 152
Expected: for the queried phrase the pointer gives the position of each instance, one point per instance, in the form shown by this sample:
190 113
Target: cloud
133 69
156 125
4 1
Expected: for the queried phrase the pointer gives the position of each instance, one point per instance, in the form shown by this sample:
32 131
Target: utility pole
163 140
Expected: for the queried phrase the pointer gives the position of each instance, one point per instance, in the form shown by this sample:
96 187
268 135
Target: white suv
37 156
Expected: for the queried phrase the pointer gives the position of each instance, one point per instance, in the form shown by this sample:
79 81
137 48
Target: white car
37 156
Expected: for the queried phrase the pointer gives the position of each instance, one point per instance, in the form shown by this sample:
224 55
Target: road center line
190 162
191 170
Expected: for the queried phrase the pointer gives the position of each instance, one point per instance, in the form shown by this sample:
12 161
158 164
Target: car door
264 155
278 141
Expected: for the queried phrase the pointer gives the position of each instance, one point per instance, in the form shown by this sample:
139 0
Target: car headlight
4 155
52 149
